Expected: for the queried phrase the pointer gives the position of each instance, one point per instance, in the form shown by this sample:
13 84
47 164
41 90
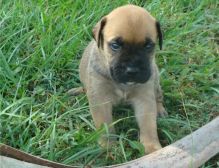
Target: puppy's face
127 38
130 62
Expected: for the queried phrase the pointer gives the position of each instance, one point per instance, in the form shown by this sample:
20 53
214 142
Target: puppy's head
127 38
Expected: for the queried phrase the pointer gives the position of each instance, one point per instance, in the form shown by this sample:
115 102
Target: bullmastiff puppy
119 65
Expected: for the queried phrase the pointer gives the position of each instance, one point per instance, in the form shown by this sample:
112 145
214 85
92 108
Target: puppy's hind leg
161 112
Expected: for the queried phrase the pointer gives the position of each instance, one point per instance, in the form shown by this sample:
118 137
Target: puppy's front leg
146 114
101 112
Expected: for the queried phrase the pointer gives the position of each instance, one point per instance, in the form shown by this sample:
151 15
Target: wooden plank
191 151
6 162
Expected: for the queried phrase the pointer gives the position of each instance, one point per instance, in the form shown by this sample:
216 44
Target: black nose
131 70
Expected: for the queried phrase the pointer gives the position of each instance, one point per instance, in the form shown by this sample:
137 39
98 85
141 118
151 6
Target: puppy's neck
98 64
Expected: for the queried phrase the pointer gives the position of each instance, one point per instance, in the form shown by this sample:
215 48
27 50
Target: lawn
41 42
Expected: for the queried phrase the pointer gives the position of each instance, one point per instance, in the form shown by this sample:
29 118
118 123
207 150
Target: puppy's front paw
161 112
106 142
152 148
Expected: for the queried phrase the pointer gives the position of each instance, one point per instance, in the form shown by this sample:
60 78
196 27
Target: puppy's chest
122 95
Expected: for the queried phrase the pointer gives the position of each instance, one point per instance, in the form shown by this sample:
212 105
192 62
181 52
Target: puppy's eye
115 46
148 44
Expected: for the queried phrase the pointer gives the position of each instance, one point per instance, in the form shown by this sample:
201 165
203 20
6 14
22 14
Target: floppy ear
159 34
98 32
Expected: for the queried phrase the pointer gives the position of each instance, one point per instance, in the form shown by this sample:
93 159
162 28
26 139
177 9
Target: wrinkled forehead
132 26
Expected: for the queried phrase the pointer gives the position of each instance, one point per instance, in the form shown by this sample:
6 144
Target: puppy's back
83 68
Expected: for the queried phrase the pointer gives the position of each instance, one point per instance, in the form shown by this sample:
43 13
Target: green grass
41 43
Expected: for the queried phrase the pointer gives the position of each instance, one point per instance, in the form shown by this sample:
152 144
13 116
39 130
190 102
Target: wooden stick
11 155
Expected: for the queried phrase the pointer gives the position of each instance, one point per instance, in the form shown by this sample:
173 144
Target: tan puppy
119 65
